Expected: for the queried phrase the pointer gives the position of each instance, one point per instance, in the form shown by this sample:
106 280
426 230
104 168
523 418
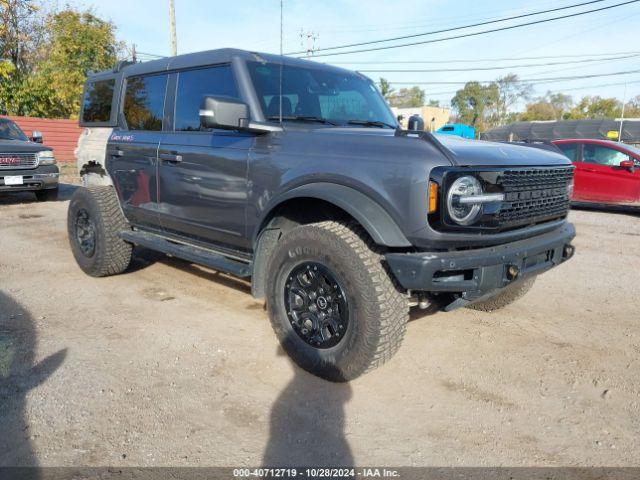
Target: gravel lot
173 364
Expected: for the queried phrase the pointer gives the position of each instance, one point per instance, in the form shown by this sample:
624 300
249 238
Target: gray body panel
227 184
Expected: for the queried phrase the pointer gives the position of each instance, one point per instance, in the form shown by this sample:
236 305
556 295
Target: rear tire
50 195
347 292
507 296
94 221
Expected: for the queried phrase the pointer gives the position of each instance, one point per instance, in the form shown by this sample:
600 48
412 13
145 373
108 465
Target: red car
607 173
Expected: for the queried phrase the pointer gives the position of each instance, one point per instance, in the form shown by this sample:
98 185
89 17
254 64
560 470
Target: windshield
633 148
318 94
10 131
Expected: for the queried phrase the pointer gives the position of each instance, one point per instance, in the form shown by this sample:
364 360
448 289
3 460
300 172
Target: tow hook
568 251
512 272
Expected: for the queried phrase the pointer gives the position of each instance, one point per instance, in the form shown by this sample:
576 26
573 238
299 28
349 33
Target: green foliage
385 88
407 97
476 103
50 84
596 107
552 106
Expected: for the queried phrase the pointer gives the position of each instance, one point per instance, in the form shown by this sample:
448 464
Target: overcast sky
255 25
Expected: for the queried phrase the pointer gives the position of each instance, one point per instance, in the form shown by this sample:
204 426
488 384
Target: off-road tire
111 255
50 195
378 308
509 294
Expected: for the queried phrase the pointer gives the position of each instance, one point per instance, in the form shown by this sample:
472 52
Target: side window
144 102
603 155
96 105
570 150
195 84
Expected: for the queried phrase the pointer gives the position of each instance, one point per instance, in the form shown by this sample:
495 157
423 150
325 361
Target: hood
465 152
386 145
19 146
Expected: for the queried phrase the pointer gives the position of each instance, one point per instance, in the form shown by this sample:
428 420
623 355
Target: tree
407 97
632 108
50 79
596 107
433 103
510 91
474 104
385 88
79 42
21 32
552 106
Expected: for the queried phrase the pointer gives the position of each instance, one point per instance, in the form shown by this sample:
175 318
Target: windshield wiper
302 118
371 123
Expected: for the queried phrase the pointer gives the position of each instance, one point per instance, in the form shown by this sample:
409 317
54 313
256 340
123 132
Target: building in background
434 117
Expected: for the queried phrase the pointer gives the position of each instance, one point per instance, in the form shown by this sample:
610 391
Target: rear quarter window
98 101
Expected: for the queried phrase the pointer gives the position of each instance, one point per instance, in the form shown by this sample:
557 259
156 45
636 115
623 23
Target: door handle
116 153
170 157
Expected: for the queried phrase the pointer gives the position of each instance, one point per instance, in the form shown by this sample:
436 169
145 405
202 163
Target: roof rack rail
122 64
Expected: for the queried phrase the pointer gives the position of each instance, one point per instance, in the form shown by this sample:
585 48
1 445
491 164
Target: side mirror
36 136
231 113
224 112
627 165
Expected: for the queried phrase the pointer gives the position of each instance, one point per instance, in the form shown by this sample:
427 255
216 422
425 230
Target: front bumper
479 273
39 178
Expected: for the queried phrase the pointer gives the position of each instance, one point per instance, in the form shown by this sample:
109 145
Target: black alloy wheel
316 305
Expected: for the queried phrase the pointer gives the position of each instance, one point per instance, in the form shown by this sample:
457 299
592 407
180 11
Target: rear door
132 150
604 180
203 173
573 152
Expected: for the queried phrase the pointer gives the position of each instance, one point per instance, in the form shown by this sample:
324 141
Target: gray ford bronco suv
295 174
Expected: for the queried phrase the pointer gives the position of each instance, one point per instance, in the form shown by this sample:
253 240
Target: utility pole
624 101
172 28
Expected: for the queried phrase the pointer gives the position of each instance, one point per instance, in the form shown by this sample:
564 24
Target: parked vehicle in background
607 173
459 129
296 175
25 164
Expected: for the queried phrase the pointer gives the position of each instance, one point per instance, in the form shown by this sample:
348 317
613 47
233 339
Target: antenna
172 28
281 53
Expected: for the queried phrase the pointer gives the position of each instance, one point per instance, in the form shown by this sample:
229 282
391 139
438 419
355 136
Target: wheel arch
316 202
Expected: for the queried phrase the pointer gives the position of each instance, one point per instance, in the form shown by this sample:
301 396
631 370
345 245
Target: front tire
333 306
507 296
94 221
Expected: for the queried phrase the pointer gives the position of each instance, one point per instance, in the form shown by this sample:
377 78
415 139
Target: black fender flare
370 214
366 211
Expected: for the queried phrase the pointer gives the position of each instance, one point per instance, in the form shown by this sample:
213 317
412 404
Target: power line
440 70
531 80
602 85
474 34
452 29
480 60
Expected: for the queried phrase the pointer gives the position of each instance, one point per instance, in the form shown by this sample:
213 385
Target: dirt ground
173 364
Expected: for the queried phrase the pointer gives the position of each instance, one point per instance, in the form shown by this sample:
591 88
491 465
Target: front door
203 174
132 150
603 180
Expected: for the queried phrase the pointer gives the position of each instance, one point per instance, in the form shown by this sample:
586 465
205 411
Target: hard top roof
209 57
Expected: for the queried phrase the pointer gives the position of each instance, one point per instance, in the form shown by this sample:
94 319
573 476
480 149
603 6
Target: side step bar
191 253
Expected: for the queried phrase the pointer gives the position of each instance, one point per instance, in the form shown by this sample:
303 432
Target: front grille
10 161
533 195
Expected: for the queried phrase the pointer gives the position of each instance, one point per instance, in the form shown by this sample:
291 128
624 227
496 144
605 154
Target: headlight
460 203
46 157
